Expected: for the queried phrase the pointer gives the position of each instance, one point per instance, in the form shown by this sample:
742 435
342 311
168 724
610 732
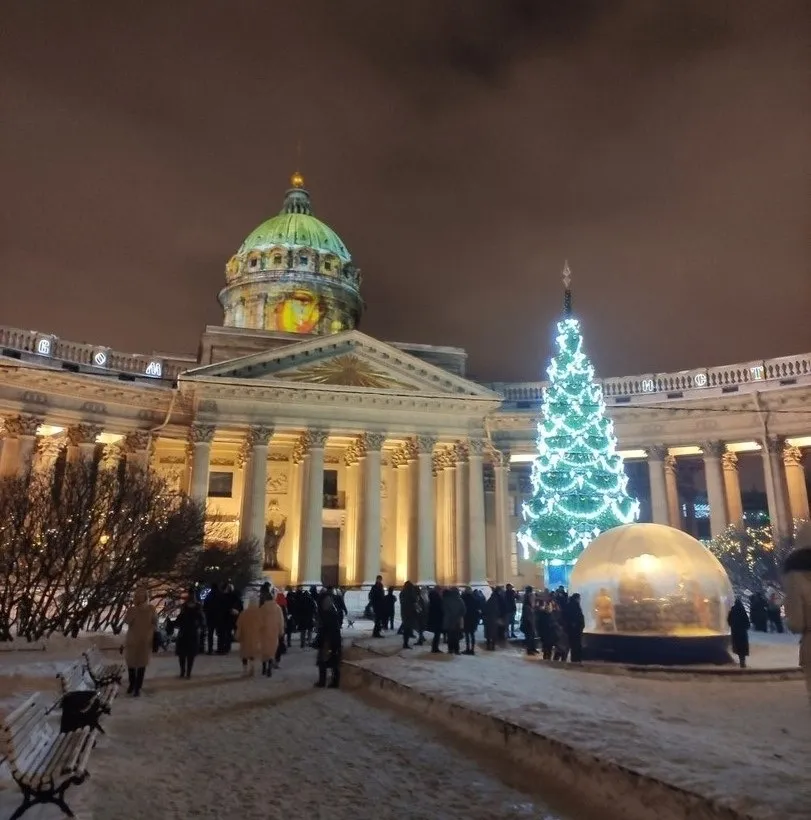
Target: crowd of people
214 621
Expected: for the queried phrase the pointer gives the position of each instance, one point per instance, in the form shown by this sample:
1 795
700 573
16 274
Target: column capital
301 447
317 438
136 441
373 441
201 433
399 458
774 444
729 461
476 446
83 434
713 449
425 444
111 455
259 436
792 456
657 452
499 456
671 466
22 425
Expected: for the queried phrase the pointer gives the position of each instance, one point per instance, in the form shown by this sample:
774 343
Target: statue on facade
274 532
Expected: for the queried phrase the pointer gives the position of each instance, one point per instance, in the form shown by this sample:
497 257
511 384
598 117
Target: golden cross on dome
297 180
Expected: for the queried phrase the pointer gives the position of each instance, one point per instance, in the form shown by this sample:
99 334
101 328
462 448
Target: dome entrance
652 594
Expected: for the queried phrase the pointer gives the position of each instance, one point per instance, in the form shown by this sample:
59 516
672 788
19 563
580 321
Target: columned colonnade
783 472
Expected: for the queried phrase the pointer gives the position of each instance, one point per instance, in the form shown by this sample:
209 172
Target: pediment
345 361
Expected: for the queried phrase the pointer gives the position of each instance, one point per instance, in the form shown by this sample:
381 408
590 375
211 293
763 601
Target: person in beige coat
271 629
797 584
141 620
249 636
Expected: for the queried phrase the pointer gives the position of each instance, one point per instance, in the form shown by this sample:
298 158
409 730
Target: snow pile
742 743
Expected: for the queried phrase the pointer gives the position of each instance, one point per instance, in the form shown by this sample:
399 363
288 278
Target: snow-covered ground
742 741
222 746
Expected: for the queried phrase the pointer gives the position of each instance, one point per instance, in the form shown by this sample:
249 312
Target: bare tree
77 540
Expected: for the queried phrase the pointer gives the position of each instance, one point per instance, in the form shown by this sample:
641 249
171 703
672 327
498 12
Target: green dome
295 230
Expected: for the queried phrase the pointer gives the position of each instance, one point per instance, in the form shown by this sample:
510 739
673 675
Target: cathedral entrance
330 555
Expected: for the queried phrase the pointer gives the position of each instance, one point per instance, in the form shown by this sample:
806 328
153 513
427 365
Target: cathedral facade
349 457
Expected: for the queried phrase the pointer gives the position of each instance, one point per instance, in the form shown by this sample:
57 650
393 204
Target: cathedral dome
293 274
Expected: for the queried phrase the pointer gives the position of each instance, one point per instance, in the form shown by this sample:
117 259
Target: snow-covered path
221 746
742 742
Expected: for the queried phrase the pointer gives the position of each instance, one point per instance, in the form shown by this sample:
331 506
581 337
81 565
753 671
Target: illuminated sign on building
154 368
100 358
700 380
44 346
648 386
757 372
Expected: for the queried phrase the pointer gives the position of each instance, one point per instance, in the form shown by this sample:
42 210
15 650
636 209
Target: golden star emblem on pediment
346 370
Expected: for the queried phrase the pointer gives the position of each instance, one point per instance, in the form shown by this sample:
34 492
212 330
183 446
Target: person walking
473 615
453 618
377 601
328 642
211 612
435 618
141 621
249 636
271 633
739 625
797 584
391 602
190 625
409 602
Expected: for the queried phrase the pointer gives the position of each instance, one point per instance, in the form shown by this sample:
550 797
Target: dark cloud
462 149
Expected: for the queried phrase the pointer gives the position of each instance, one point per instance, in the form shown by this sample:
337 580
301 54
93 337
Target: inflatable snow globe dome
652 594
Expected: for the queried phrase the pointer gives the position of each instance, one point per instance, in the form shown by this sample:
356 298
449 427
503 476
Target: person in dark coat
391 601
739 625
290 624
528 625
190 624
328 641
229 606
574 623
511 607
453 618
561 637
546 629
435 616
211 612
409 615
758 612
473 615
377 601
305 615
492 614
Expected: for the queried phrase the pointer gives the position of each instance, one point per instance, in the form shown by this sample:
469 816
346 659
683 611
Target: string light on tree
580 488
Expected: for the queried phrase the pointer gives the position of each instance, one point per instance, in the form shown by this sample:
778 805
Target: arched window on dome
330 265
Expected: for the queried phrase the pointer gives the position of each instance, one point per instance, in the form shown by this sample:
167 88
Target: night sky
462 150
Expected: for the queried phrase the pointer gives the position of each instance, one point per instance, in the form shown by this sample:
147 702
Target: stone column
313 527
50 448
19 445
257 441
501 470
372 531
660 512
462 511
350 543
732 486
402 470
200 438
244 462
136 447
478 544
714 478
672 487
795 482
82 443
451 545
775 485
296 508
426 544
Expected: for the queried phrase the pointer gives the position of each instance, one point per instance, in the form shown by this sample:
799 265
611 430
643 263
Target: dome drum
652 594
292 274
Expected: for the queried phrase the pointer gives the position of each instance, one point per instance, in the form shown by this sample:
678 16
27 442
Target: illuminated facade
349 456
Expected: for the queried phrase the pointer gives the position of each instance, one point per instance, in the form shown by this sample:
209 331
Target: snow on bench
86 700
101 672
43 762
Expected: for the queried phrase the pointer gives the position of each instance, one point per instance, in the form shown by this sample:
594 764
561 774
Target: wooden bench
101 672
43 762
72 682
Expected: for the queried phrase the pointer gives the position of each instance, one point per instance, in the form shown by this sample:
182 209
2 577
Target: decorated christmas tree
579 483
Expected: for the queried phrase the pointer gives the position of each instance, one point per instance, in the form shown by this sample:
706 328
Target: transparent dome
649 580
